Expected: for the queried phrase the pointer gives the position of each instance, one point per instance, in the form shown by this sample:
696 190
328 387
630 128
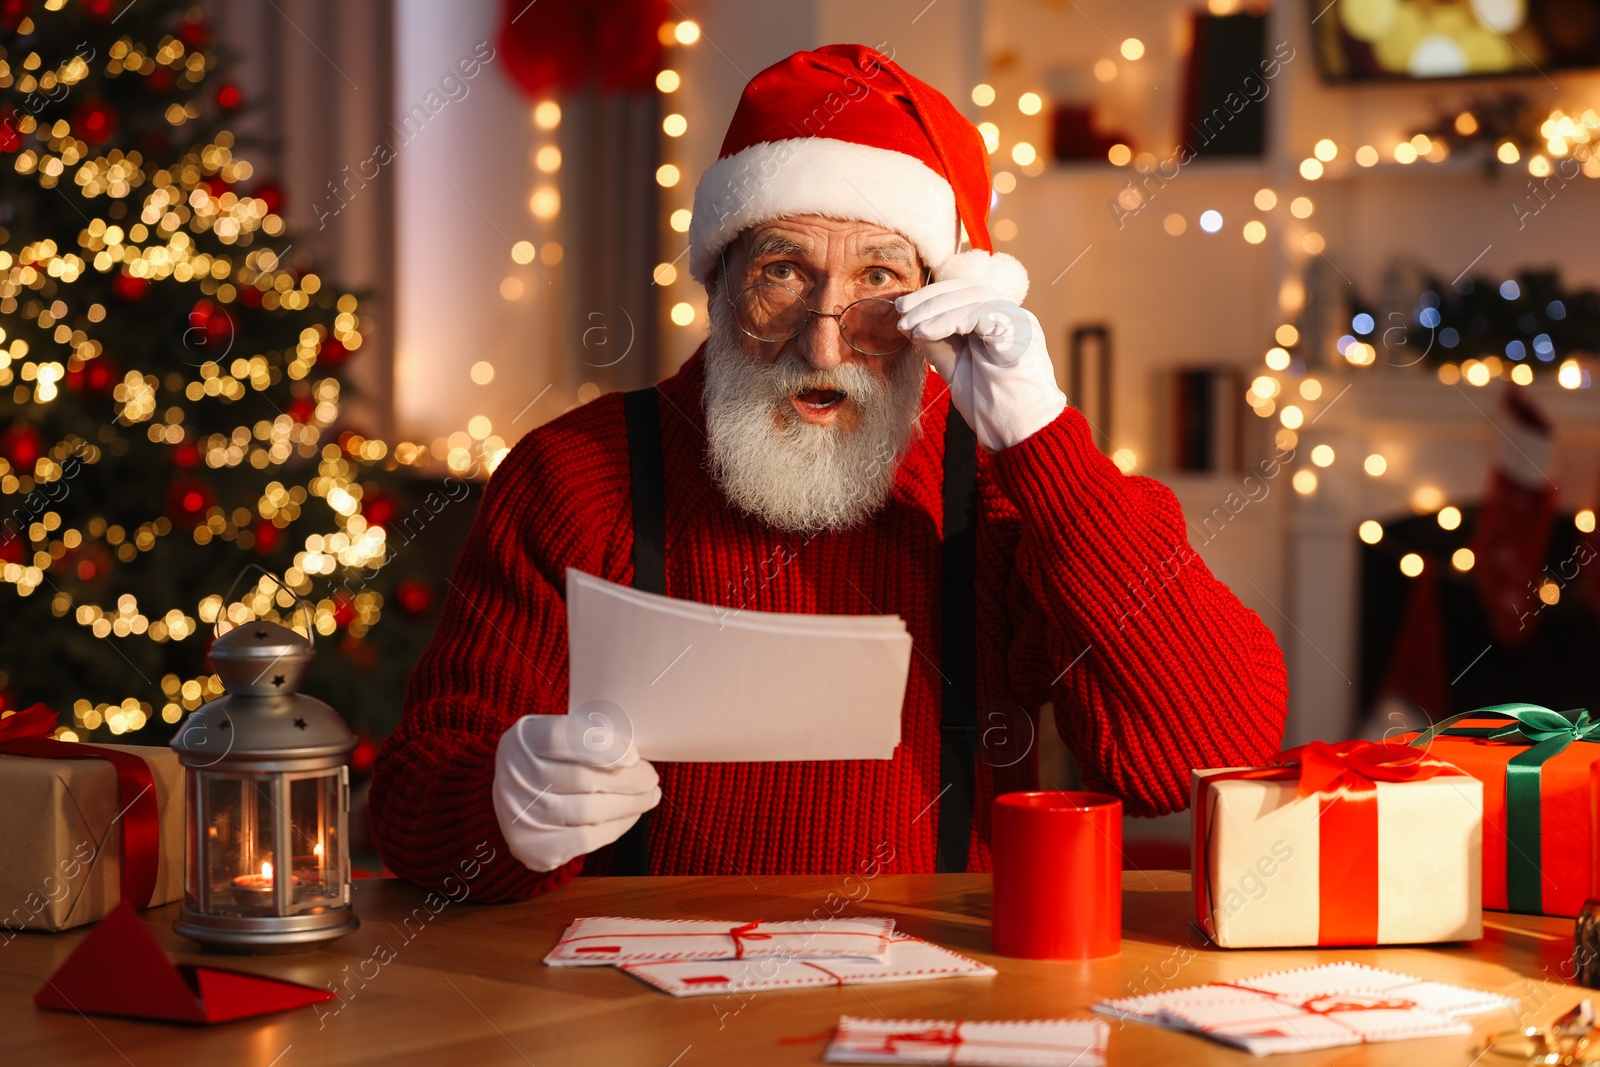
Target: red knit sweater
1088 597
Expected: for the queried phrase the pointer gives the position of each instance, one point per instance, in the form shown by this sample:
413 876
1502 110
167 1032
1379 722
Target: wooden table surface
466 986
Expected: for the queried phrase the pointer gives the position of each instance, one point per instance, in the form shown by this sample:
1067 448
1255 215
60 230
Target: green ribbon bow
1549 733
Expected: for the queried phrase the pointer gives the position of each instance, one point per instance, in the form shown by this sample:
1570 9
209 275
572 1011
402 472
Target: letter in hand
566 785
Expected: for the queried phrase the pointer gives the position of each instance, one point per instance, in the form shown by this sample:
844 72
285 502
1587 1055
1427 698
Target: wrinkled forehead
817 239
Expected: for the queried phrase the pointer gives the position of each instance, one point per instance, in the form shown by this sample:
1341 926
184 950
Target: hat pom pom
1001 272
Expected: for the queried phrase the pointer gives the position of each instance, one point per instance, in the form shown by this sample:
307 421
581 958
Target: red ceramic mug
1057 875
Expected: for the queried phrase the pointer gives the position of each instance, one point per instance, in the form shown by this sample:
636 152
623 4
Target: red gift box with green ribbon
1535 764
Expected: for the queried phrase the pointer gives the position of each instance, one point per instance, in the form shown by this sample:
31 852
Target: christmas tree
170 389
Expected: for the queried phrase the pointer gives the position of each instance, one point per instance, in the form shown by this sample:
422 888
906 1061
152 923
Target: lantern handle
305 605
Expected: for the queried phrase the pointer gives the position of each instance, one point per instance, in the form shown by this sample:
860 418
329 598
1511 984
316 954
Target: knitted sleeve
1153 665
500 652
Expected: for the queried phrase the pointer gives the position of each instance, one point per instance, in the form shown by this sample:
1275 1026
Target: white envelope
608 940
703 683
1035 1043
910 959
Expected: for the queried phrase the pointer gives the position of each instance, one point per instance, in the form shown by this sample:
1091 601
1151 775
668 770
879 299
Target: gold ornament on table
268 796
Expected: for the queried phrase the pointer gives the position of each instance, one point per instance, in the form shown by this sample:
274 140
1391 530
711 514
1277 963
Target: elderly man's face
831 264
806 432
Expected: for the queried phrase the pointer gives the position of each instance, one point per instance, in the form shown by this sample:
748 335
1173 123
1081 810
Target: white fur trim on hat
1001 272
820 176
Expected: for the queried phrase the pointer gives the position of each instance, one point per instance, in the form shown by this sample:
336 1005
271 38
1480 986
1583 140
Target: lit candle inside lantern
259 884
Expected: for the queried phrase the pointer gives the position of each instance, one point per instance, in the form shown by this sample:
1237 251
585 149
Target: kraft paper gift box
61 838
1539 848
1323 851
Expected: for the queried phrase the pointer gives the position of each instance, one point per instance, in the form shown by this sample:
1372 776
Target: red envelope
121 970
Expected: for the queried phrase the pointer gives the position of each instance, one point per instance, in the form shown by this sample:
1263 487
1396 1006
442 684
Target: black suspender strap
958 659
643 415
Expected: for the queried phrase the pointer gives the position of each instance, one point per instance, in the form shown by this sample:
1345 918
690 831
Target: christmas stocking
1514 523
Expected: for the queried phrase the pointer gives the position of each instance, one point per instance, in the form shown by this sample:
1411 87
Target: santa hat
844 132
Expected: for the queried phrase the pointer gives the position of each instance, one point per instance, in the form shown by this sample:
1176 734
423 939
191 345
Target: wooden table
466 986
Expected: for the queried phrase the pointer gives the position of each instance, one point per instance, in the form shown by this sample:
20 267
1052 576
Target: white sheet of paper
702 683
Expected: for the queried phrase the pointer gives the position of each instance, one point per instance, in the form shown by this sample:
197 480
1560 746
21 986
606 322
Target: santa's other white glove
992 354
554 801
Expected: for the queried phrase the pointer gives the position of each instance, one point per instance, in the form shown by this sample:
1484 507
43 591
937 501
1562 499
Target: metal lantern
268 801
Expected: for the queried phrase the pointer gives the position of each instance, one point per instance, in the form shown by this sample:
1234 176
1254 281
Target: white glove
991 352
554 802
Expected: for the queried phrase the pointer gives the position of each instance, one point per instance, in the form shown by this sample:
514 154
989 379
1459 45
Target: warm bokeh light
1305 482
1404 153
1367 156
1466 124
523 252
1255 231
1410 564
482 372
1301 207
667 175
1325 150
668 81
547 115
991 136
1311 169
1174 224
545 203
1449 518
1119 155
1522 374
1266 199
1125 459
1375 465
1462 559
1022 153
1277 359
1370 531
1030 103
679 220
1426 498
1310 389
1105 69
682 313
1286 335
1292 417
1322 455
1570 376
1507 152
674 125
1584 520
983 94
1132 48
687 32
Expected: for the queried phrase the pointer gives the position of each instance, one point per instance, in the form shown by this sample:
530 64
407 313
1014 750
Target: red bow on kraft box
138 823
1344 779
119 969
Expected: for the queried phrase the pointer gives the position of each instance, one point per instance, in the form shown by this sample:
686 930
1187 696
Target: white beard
794 474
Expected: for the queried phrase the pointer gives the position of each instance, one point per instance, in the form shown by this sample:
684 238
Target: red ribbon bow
746 932
1344 778
27 733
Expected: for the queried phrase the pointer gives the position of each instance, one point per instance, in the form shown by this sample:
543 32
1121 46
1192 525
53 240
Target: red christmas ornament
333 352
358 652
267 537
302 408
13 12
160 79
98 9
364 758
568 45
188 500
127 287
216 185
272 195
415 597
10 136
95 122
377 510
228 97
22 445
12 546
98 375
250 297
194 34
186 455
213 322
344 610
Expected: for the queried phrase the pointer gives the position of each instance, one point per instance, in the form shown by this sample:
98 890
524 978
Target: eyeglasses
771 312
